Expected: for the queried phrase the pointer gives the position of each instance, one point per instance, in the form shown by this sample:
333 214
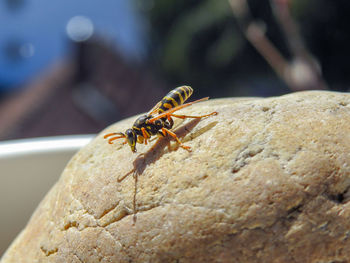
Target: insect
158 121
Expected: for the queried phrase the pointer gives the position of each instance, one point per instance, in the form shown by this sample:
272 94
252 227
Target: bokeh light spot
79 28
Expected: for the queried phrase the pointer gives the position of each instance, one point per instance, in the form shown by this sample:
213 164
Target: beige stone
267 181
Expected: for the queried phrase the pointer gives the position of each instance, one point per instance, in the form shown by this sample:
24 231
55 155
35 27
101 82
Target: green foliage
199 43
196 36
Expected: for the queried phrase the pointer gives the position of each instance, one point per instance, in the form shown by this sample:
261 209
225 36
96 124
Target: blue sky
41 24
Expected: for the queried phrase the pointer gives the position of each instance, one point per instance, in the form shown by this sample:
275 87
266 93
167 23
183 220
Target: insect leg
171 122
187 116
145 134
170 111
140 139
166 131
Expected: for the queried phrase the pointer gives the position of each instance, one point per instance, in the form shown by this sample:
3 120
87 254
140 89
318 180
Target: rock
267 181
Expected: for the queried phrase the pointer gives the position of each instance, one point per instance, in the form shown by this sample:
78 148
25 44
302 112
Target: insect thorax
151 128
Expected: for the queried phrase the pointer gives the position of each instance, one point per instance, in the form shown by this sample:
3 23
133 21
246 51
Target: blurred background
73 67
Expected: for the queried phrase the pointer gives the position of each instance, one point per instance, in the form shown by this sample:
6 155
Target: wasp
158 121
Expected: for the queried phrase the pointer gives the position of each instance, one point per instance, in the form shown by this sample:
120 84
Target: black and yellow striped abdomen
175 98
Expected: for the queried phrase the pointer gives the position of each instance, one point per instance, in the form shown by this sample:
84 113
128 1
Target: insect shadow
158 150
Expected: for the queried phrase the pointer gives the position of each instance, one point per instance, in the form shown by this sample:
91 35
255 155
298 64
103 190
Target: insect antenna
110 141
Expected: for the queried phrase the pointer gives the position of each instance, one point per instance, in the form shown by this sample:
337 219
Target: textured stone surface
267 181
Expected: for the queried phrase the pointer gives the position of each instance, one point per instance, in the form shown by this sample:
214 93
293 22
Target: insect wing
173 98
154 109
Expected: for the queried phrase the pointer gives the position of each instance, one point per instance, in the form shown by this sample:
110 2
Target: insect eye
131 139
130 134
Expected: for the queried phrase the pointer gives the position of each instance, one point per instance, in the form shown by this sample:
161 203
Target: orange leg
145 134
166 131
187 116
140 139
170 111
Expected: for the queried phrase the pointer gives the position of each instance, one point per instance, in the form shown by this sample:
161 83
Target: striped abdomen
175 98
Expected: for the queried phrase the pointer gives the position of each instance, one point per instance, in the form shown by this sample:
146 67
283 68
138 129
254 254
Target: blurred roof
80 95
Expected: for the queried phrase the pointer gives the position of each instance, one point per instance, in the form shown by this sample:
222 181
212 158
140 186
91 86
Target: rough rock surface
267 181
